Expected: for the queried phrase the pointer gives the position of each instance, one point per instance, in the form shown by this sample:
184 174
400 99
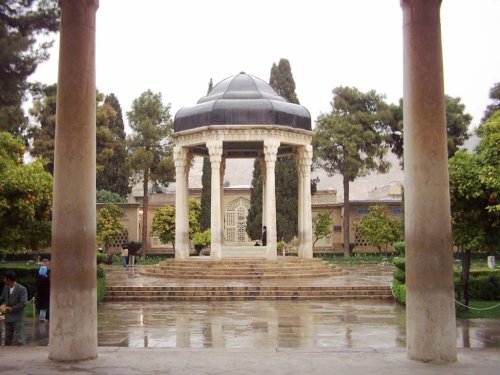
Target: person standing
264 236
124 255
43 293
13 299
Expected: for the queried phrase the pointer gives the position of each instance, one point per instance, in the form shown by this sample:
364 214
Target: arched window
235 230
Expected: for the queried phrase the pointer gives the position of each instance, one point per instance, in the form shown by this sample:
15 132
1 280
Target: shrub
399 291
101 258
399 275
400 248
400 263
280 246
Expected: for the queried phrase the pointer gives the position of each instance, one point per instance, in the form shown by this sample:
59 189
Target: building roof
242 100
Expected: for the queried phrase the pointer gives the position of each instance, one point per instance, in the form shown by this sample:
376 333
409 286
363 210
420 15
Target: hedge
400 263
483 285
399 291
399 275
400 248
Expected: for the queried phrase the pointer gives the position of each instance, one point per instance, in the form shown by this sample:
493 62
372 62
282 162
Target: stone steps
243 268
234 293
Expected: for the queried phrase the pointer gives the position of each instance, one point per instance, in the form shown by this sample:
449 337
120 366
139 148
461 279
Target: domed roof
242 100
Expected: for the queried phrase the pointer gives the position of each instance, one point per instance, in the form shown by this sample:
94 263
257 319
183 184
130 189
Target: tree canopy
322 226
164 222
109 225
352 139
378 228
21 21
150 146
25 198
457 126
474 196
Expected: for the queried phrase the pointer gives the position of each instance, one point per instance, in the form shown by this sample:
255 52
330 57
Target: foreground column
73 303
300 203
430 311
271 154
262 162
181 204
215 151
305 160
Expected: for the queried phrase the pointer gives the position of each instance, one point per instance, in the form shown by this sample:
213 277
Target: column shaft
271 153
73 306
300 205
181 204
430 311
307 233
263 177
215 151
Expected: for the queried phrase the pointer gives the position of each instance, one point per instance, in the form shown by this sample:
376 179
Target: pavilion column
430 310
305 210
222 172
215 151
262 163
271 153
181 203
300 203
73 306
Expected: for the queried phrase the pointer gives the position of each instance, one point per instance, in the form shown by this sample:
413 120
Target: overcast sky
175 47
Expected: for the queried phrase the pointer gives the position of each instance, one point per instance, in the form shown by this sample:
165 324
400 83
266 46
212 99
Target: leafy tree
109 225
21 21
164 222
25 198
281 80
322 225
150 147
351 140
112 168
378 228
474 195
495 106
43 131
111 155
106 196
457 125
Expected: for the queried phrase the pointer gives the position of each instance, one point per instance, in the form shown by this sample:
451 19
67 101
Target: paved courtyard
256 337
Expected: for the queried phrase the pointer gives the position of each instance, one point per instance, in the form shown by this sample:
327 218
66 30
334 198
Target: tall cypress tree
206 187
281 80
20 54
114 173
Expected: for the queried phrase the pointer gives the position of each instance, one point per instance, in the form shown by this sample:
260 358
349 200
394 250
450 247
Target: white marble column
73 303
300 204
181 203
215 151
305 210
262 163
271 153
430 310
222 216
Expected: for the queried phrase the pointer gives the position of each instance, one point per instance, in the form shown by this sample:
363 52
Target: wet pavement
275 324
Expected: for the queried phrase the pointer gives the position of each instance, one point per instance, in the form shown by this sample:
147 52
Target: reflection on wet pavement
271 324
346 324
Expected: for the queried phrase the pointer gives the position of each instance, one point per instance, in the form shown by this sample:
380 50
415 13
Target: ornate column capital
303 157
180 157
271 152
215 149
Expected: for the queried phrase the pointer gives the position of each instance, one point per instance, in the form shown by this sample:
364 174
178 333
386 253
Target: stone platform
238 279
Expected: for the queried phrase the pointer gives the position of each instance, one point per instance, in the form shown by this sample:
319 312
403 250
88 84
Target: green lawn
485 314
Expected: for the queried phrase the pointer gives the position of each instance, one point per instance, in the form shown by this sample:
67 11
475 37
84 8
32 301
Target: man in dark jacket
13 300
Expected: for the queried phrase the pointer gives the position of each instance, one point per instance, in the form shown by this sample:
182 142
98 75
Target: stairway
242 268
241 293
